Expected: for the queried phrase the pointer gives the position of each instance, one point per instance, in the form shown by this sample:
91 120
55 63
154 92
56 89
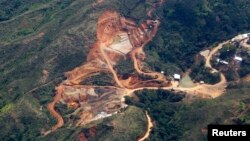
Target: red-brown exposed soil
102 58
154 7
82 137
117 37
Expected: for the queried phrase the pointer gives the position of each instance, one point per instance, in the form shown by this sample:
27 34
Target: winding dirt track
139 50
54 113
109 27
212 52
104 39
203 89
149 127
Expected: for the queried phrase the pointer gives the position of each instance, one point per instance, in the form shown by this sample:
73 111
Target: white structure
224 62
237 58
240 37
177 76
245 35
162 72
202 82
102 115
221 61
124 106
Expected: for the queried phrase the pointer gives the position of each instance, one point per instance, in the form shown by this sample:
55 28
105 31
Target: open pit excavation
118 37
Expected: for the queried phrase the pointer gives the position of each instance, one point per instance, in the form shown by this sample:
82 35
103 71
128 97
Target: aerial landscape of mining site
122 70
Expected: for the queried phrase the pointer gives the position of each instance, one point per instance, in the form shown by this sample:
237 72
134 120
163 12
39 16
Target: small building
244 35
218 60
177 76
202 82
162 72
238 58
224 62
240 37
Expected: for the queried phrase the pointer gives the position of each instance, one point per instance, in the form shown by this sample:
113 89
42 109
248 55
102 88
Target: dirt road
108 28
110 66
206 90
53 112
149 127
212 52
155 75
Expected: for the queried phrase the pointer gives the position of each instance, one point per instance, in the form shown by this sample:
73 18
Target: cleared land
116 38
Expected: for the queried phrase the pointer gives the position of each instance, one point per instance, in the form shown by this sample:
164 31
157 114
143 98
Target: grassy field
186 82
6 109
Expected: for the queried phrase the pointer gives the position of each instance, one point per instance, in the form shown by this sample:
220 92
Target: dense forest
188 26
162 106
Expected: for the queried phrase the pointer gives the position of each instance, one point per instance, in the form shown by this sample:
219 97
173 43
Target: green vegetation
116 127
201 73
231 75
6 109
245 64
44 94
125 67
228 51
24 32
22 123
188 26
30 23
245 69
8 9
101 79
161 106
176 119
